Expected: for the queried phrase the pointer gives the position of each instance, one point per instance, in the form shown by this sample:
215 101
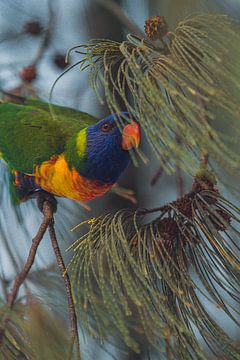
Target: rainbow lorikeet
65 152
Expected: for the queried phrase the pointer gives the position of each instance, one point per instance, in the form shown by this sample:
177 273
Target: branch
204 159
47 37
48 215
116 10
157 175
71 306
179 181
204 156
46 204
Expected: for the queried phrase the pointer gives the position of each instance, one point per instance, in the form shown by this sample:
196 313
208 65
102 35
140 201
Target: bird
63 152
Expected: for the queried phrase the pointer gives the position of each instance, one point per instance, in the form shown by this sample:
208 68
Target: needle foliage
181 84
164 273
159 277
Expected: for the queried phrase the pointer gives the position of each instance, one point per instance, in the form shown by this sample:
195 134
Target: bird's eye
106 127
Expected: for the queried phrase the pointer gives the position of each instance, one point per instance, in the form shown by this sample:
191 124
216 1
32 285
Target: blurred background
34 39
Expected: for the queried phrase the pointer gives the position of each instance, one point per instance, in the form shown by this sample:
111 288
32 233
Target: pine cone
184 205
168 231
33 28
59 61
156 27
28 73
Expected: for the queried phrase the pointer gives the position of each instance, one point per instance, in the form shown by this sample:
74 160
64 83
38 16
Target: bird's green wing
31 134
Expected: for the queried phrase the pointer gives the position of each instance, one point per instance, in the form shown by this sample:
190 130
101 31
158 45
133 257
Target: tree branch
204 156
157 175
48 215
116 10
48 207
71 306
179 181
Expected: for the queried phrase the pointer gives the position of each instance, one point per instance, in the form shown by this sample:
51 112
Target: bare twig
71 306
48 222
48 215
47 37
179 181
116 10
4 284
204 156
179 174
157 176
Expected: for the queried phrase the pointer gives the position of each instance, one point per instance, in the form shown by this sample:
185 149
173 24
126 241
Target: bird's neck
76 151
96 162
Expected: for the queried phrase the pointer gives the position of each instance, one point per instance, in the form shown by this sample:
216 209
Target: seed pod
33 28
28 73
156 27
59 61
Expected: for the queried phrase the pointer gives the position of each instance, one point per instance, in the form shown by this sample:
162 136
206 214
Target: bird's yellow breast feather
55 177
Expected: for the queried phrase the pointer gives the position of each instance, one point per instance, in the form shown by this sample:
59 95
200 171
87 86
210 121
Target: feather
62 151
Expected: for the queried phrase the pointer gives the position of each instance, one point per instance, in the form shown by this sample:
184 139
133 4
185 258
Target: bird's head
107 148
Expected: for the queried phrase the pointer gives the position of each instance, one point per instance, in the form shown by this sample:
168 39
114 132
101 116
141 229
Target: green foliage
155 277
33 330
152 275
183 88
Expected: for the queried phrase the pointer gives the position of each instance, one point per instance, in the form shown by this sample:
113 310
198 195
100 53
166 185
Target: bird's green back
31 133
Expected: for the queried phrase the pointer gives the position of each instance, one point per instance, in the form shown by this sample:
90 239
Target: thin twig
157 176
71 306
48 215
4 284
204 156
48 222
204 159
116 10
179 174
179 181
47 36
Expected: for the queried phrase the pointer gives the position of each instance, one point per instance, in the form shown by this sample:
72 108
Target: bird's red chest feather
54 176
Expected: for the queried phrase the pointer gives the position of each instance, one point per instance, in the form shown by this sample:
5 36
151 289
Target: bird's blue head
107 148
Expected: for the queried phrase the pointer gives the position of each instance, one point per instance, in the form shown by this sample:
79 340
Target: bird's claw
42 197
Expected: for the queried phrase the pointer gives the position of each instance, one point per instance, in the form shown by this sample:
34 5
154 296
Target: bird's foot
42 196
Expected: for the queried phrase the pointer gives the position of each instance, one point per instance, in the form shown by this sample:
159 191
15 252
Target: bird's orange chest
55 177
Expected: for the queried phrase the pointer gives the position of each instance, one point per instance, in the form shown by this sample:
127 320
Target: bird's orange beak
131 136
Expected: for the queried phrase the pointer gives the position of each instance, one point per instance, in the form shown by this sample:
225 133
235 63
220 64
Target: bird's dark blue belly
24 184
